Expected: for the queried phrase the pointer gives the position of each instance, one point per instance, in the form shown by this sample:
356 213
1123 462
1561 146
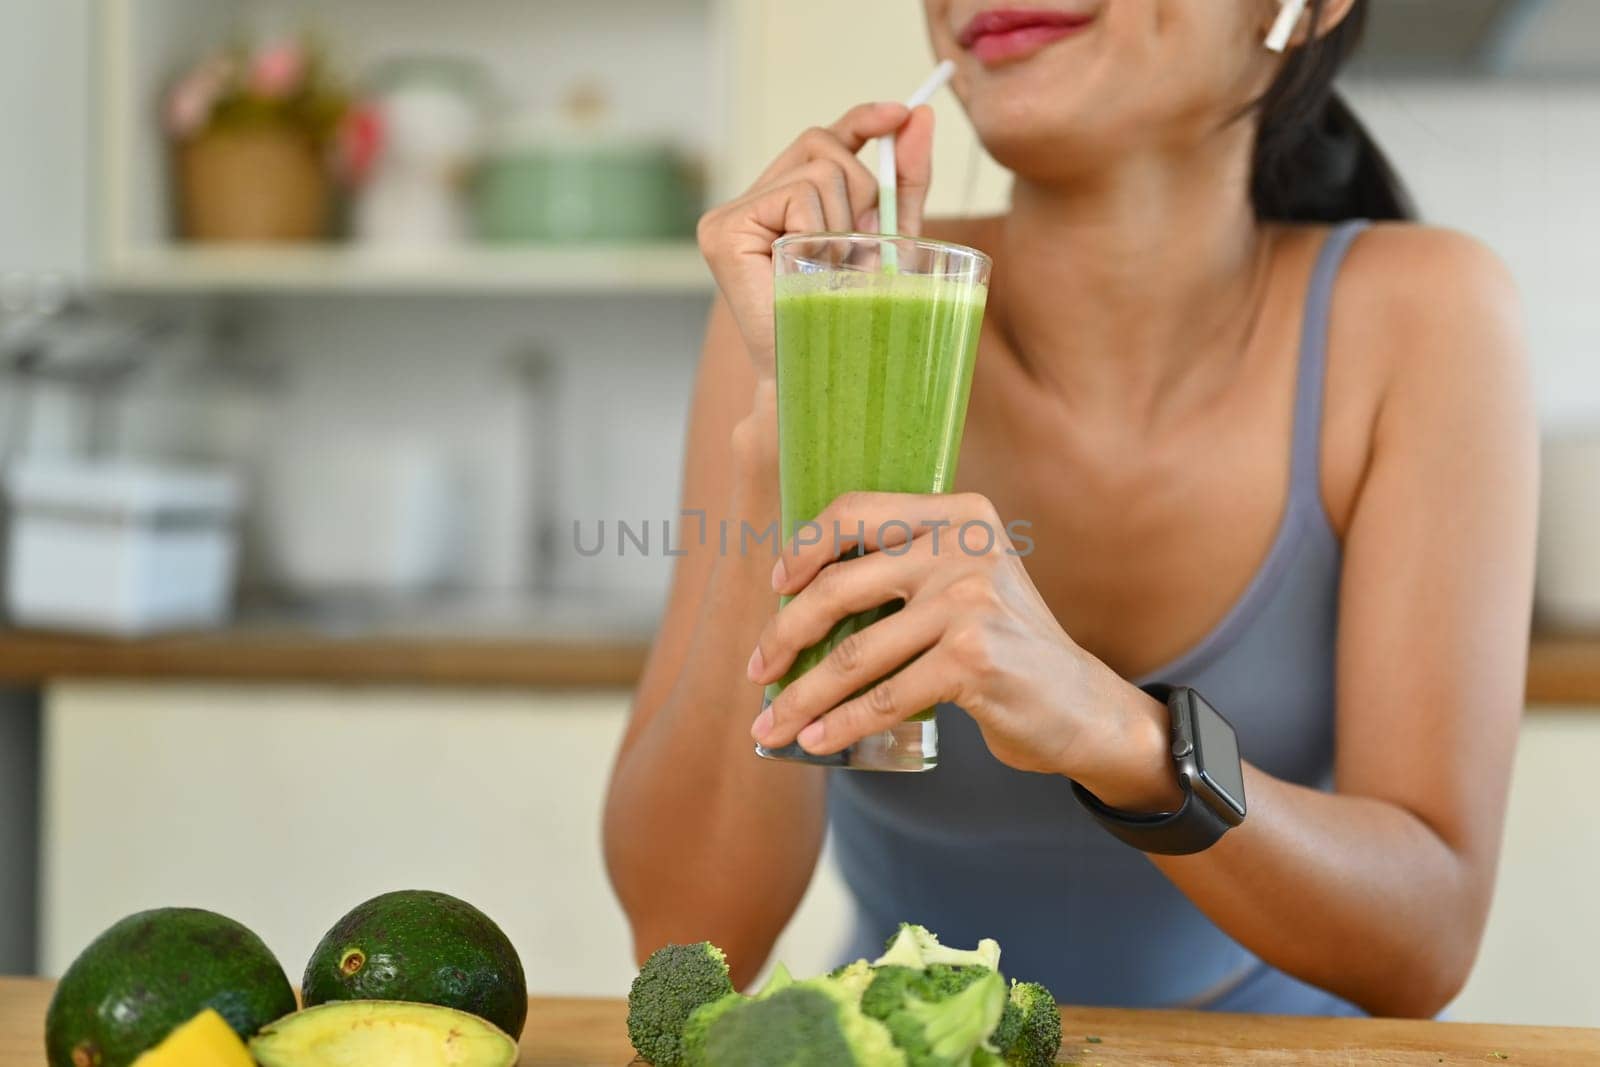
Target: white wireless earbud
1283 29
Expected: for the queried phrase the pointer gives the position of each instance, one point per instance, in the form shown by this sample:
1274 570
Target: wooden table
590 1033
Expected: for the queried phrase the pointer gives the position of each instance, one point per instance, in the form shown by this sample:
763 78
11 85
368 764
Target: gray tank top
975 849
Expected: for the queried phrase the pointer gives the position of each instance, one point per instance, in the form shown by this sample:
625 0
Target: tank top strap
1306 460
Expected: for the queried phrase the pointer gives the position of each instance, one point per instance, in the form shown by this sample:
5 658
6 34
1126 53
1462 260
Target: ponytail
1314 160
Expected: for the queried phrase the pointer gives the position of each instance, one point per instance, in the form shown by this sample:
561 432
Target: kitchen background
295 610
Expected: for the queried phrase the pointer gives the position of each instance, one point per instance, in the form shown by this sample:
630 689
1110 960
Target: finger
792 208
869 655
842 589
849 133
914 166
865 121
958 522
834 192
926 682
861 185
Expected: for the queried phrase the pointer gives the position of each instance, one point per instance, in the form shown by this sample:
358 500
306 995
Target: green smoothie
873 375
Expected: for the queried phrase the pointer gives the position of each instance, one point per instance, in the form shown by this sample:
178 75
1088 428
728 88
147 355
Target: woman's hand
816 185
973 630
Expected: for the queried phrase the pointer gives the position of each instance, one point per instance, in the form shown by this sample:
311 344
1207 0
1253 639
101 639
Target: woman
1289 464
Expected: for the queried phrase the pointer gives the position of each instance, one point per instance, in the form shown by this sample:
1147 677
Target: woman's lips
1008 34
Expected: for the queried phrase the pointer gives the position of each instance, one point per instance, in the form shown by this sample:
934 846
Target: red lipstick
1008 34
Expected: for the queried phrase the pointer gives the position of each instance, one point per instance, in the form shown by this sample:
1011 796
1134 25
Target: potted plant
251 131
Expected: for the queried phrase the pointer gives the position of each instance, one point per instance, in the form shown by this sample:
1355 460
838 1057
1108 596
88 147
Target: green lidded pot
579 179
600 192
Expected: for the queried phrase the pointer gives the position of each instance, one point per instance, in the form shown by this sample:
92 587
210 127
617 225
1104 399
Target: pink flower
278 69
192 100
360 142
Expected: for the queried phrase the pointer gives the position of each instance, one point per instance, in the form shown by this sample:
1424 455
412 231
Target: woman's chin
1039 149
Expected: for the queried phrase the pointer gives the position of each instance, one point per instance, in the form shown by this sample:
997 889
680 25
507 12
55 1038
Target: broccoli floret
947 1032
917 947
942 980
892 984
815 1023
673 982
700 1020
1029 1034
919 1005
889 988
699 1025
853 978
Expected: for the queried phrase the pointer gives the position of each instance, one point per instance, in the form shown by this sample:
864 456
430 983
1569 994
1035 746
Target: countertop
590 1033
1564 668
557 641
284 655
566 644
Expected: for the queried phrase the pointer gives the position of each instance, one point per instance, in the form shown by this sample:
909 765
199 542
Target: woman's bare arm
704 840
1379 892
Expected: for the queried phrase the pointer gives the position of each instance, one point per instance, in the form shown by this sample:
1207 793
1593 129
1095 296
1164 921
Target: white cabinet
285 806
1537 963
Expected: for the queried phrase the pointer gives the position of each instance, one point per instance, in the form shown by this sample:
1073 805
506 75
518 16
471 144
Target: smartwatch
1205 751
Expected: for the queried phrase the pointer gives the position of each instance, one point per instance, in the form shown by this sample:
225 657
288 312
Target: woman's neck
1120 287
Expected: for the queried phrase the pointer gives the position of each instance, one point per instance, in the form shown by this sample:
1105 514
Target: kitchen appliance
118 547
1568 586
374 516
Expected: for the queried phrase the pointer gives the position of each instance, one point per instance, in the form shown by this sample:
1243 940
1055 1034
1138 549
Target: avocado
386 1032
151 973
424 947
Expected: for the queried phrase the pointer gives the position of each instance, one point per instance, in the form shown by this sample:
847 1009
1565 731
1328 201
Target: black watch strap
1193 828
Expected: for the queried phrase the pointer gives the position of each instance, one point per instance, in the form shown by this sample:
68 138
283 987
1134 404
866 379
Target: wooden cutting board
590 1033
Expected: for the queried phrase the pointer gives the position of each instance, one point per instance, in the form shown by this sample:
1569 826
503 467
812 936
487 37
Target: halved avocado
357 1033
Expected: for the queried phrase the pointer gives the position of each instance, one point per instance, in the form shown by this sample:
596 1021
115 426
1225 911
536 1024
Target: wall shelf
664 67
569 269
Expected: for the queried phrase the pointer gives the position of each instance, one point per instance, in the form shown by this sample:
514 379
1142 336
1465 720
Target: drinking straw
889 178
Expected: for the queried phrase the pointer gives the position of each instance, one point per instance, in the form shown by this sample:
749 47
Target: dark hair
1314 160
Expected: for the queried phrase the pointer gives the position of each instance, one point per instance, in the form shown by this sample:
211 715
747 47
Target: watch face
1217 754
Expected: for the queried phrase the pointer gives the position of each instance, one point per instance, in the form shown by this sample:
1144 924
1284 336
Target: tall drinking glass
876 338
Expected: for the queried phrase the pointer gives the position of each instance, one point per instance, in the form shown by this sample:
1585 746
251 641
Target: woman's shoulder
1415 260
1427 324
1409 272
1426 295
1426 355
